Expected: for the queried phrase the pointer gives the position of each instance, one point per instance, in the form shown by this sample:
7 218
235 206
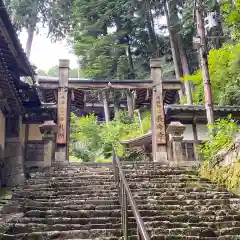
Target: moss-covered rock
227 176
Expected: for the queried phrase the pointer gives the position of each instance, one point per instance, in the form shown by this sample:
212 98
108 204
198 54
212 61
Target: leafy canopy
222 135
91 140
224 69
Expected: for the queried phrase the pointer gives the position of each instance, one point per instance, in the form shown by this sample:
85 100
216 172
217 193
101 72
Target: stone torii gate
66 85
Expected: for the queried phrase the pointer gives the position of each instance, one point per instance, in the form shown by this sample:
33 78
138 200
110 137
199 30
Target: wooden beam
54 85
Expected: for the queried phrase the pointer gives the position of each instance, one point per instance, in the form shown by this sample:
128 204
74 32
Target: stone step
154 227
225 221
87 189
132 183
107 175
116 213
86 206
84 234
231 202
153 195
71 220
35 227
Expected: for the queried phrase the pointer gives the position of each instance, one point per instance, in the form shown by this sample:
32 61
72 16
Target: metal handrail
125 196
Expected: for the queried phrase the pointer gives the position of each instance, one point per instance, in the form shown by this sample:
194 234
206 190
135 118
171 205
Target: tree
231 15
224 68
54 72
29 14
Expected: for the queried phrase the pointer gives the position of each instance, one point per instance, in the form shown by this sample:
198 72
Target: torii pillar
63 113
159 148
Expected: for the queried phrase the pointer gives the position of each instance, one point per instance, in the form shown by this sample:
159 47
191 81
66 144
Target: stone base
13 167
61 156
161 154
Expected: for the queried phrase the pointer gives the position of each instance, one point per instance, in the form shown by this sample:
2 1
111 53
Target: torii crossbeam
65 85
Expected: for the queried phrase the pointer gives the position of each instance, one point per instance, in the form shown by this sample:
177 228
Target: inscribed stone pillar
159 149
13 165
175 131
63 113
49 130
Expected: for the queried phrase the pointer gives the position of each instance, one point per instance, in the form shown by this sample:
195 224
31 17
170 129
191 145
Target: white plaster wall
188 133
202 132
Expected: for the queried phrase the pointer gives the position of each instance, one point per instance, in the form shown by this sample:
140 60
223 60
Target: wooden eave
40 114
187 113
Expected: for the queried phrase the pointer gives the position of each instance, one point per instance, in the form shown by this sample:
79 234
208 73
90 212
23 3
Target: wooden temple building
35 111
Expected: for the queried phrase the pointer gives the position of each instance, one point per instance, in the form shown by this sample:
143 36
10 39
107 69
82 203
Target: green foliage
32 13
227 176
115 39
54 72
221 136
224 68
231 15
93 141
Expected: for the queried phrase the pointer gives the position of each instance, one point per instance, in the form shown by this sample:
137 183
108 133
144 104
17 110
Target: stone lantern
48 130
175 131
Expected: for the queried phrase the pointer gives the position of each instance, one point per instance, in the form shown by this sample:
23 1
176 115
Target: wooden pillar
63 113
105 106
159 148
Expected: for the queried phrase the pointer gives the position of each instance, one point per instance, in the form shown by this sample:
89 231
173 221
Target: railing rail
126 196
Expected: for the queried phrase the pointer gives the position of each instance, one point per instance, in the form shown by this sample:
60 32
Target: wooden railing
125 197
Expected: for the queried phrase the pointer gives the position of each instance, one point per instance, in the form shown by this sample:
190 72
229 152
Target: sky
45 54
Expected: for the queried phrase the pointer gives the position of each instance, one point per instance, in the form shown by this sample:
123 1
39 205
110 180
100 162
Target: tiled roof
11 44
196 108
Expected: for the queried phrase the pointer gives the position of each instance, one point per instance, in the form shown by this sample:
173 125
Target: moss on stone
227 176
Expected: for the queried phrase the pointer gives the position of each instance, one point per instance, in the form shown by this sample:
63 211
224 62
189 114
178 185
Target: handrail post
125 214
139 237
125 197
115 167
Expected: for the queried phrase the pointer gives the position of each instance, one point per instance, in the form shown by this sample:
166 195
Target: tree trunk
31 28
151 31
174 49
185 68
29 41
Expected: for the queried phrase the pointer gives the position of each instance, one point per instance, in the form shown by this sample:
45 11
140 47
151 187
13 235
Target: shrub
222 135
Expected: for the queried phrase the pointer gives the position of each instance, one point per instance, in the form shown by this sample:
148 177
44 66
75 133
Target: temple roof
186 113
10 45
15 95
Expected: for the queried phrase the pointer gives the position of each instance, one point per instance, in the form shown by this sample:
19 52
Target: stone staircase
81 202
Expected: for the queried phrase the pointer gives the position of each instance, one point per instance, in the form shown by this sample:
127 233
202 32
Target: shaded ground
5 196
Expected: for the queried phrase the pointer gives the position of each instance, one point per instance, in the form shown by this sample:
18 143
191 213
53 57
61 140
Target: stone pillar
175 131
13 165
49 130
63 116
105 106
130 103
159 148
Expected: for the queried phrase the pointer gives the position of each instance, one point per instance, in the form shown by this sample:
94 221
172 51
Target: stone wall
13 165
35 153
225 168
